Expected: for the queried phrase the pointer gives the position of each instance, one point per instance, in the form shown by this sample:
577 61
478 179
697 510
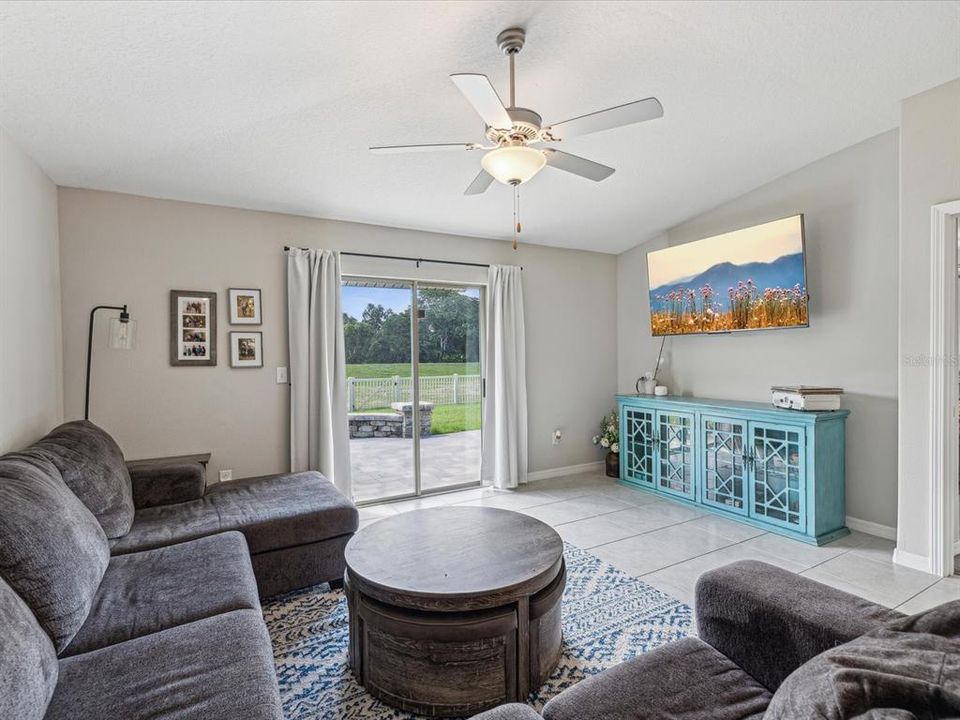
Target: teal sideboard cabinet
780 470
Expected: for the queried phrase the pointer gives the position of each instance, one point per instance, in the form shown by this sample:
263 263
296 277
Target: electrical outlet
226 475
557 436
281 376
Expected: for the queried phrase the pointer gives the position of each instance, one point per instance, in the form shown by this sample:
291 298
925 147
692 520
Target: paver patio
383 467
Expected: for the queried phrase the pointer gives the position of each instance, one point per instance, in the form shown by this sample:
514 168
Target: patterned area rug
608 617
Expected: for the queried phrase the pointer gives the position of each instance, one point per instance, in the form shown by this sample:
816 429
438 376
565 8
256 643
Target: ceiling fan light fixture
513 164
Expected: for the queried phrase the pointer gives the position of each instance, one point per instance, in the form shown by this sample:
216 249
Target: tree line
448 330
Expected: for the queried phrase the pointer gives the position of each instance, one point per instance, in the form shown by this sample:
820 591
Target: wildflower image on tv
750 279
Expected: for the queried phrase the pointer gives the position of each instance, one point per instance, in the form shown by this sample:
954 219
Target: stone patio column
426 418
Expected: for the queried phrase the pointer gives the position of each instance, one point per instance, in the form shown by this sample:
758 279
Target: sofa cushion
92 465
218 667
164 481
149 591
684 680
52 549
275 511
28 662
908 669
511 711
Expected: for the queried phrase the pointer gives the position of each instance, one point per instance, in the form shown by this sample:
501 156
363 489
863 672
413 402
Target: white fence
369 393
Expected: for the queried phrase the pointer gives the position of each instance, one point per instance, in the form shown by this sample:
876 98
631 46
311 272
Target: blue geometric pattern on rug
608 617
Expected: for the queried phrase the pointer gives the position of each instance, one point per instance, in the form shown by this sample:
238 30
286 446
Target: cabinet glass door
637 430
675 454
777 480
723 460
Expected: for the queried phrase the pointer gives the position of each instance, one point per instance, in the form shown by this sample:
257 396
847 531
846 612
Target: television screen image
750 279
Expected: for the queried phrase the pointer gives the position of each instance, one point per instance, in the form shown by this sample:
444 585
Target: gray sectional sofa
778 646
134 592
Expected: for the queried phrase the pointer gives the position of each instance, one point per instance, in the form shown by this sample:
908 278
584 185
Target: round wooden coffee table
454 610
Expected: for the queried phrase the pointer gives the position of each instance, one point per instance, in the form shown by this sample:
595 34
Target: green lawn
382 370
455 418
448 418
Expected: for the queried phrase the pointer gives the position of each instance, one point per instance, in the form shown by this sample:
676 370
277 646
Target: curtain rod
407 259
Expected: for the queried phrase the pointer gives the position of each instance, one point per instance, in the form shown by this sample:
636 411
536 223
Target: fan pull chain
516 214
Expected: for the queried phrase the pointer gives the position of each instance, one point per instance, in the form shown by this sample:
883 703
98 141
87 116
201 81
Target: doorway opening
414 386
955 464
943 402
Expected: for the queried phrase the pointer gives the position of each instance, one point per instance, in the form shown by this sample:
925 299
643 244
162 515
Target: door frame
944 398
415 284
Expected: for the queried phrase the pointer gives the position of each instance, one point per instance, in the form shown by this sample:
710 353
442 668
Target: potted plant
609 438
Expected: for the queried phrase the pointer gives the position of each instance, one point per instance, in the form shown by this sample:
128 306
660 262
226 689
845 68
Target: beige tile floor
669 545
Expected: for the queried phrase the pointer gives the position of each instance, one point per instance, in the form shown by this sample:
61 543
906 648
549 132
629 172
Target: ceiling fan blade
480 93
480 184
628 114
387 149
577 165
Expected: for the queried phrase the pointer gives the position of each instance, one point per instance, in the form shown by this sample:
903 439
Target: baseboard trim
565 470
872 528
911 560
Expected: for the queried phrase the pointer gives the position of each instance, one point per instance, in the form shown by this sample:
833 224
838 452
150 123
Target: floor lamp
122 330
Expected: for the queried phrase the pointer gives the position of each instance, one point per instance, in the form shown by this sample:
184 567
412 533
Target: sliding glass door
377 335
448 361
414 417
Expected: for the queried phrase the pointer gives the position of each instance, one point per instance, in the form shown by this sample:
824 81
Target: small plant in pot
609 438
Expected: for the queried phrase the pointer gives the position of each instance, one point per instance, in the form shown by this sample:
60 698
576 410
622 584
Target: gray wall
125 249
31 385
849 201
929 174
637 349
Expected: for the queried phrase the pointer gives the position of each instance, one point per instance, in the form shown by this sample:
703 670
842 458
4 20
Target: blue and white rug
608 617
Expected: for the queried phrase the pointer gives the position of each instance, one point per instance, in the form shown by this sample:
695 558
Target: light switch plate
281 376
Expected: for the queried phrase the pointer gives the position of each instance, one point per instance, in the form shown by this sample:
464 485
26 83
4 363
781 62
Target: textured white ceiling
272 105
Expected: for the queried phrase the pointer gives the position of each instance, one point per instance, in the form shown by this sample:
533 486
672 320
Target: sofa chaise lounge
127 595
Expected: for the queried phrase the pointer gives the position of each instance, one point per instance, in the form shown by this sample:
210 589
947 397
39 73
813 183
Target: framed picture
193 327
244 306
246 349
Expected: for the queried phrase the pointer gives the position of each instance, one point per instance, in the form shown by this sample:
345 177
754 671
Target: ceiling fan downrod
510 42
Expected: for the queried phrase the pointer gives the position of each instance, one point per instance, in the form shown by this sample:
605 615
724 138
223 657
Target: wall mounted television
749 279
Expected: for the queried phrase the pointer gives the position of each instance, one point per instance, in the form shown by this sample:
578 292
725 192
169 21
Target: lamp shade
513 164
122 333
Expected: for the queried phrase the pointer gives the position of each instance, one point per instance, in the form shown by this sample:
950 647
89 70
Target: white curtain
319 437
504 459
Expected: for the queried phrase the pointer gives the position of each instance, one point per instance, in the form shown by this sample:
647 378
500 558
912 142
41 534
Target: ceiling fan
521 145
